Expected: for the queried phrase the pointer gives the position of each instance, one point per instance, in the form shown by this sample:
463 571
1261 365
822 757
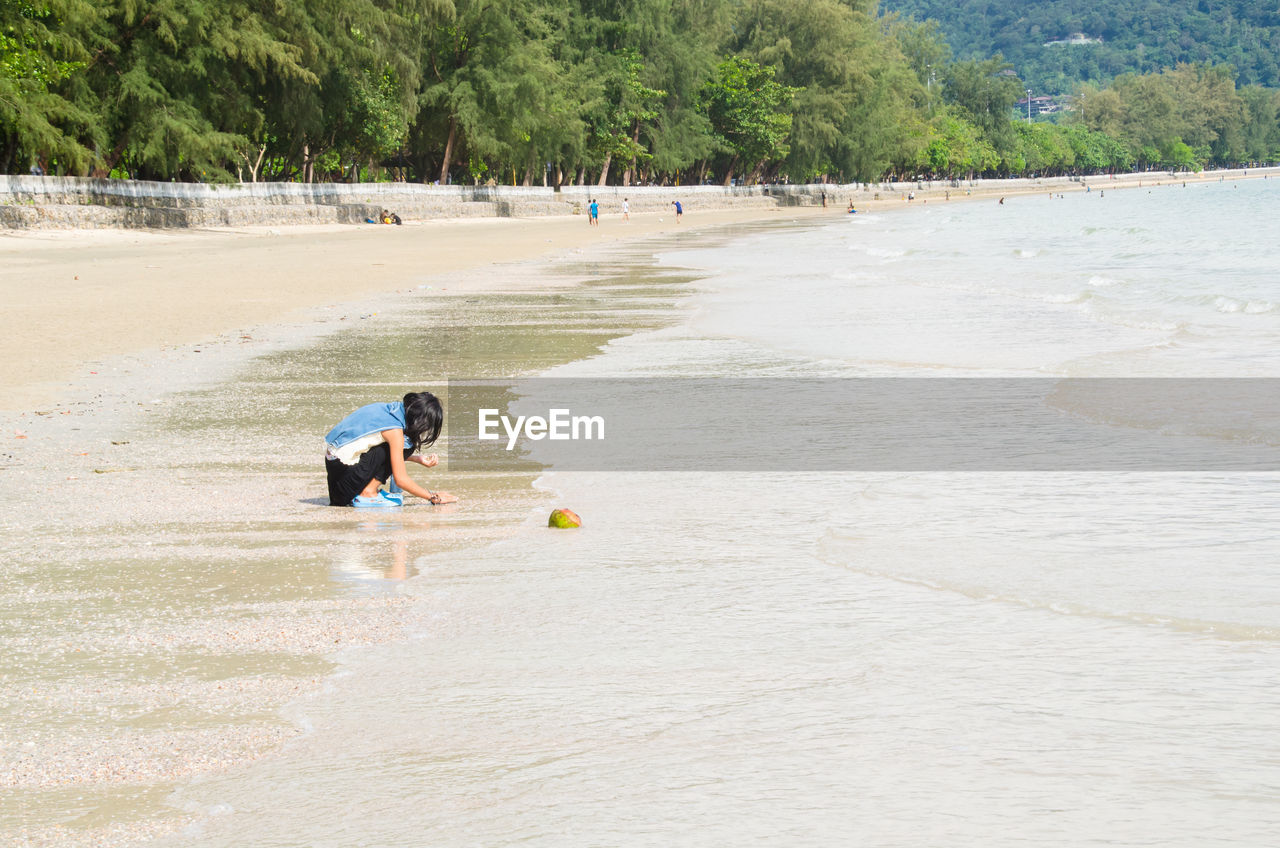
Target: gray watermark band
864 424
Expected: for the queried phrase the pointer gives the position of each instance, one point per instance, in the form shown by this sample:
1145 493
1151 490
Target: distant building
1074 39
1043 105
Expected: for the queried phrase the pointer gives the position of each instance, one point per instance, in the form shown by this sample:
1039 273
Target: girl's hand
429 461
442 498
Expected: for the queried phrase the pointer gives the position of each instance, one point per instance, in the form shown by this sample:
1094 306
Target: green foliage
1259 136
855 94
1096 152
495 90
1131 37
985 92
1185 117
41 47
957 147
169 82
1176 155
369 123
748 110
922 46
1044 148
607 90
622 105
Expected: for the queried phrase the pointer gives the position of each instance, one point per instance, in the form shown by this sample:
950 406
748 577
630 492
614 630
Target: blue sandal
379 501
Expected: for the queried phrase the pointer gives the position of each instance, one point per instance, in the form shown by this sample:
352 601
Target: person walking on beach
593 216
626 210
371 445
679 209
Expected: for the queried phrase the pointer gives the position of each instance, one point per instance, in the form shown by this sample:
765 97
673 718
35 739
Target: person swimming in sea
371 446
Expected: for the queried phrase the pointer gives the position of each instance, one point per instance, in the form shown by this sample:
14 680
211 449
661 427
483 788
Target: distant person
852 211
824 200
593 214
679 209
371 445
626 210
1002 201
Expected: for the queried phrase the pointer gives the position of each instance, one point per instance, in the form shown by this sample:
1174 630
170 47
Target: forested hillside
549 92
1139 36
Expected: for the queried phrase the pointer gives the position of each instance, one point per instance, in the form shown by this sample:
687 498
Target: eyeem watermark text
559 425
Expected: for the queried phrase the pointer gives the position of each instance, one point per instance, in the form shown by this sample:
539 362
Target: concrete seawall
75 202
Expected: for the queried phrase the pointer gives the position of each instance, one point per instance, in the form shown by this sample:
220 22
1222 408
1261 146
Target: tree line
552 92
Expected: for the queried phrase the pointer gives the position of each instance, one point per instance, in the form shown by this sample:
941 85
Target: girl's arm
395 439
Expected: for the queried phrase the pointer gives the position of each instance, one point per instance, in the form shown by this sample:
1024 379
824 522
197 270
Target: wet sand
172 575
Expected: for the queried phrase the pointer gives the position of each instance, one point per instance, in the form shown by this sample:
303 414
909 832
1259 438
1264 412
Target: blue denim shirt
373 418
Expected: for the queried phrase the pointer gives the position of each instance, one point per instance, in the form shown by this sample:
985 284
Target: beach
174 578
149 638
120 291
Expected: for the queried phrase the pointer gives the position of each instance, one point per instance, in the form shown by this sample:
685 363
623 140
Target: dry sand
75 298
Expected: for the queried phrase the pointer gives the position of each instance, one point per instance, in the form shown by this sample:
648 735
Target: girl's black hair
423 418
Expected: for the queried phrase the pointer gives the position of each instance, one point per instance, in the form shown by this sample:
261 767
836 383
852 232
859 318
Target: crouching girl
371 446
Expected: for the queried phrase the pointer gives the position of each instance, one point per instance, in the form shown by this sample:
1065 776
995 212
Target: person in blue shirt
371 446
594 217
679 209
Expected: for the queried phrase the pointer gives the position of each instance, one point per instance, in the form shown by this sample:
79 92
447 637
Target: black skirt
347 481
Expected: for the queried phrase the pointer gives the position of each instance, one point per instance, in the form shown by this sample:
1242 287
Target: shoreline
138 293
69 203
